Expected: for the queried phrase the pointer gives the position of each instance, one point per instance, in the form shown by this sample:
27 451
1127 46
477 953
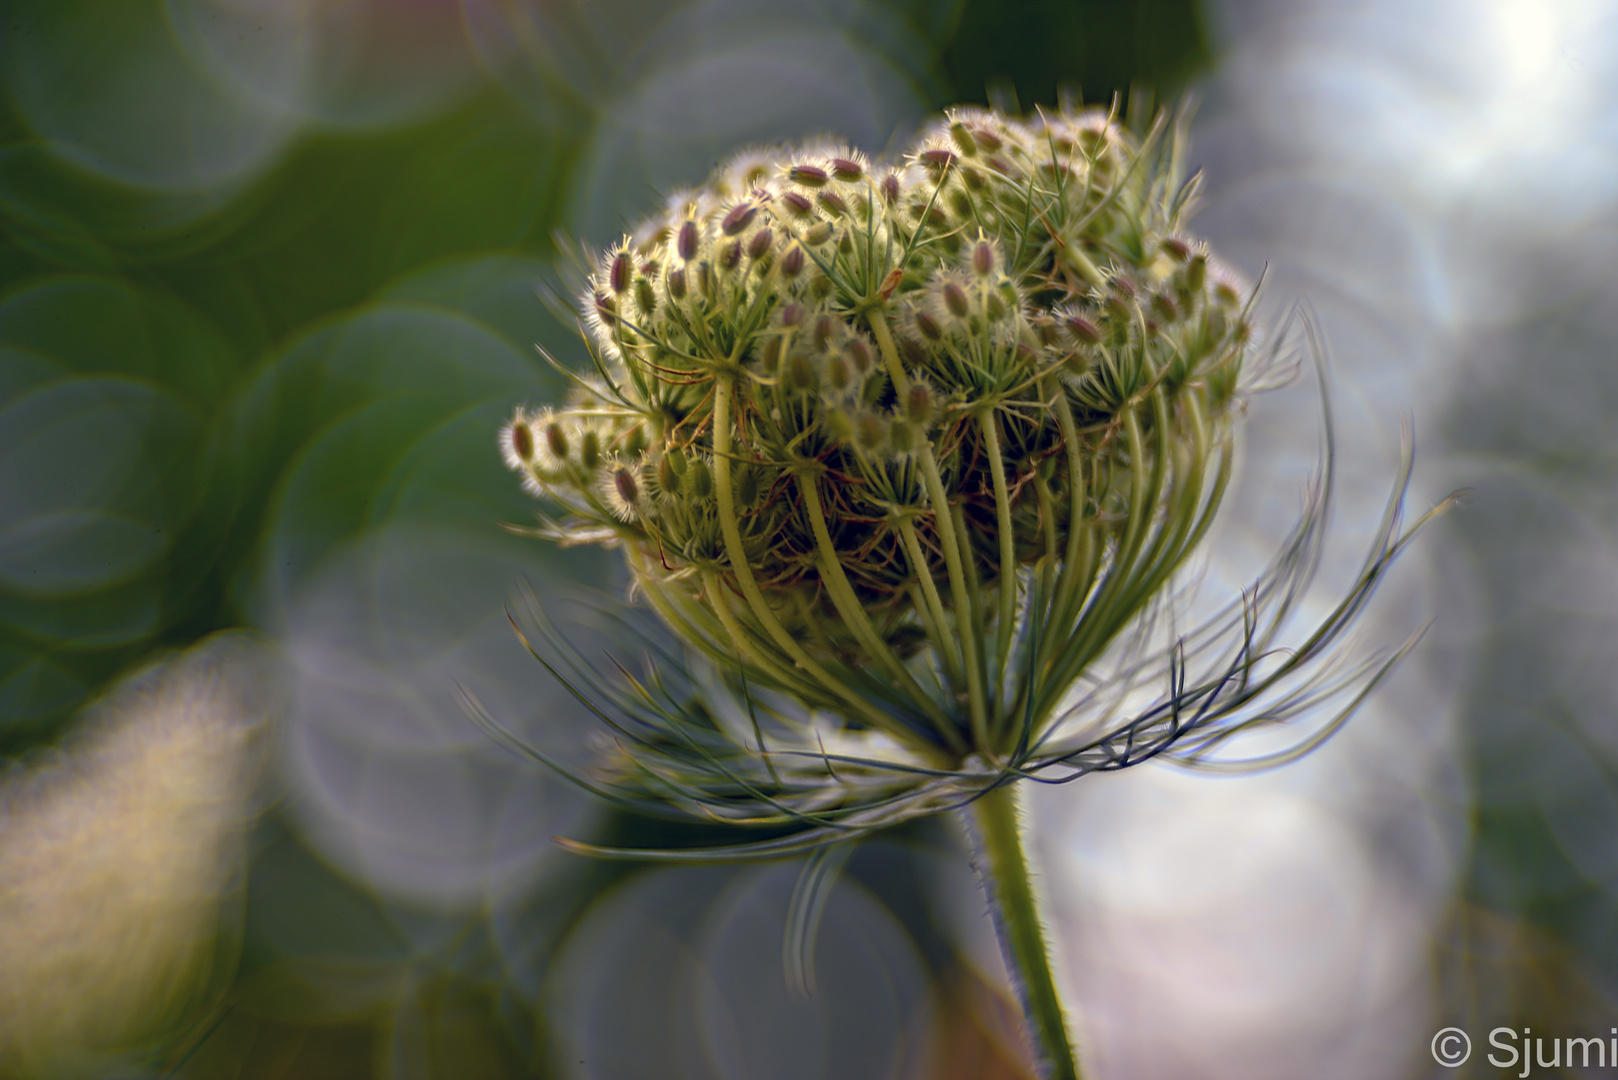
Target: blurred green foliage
1028 52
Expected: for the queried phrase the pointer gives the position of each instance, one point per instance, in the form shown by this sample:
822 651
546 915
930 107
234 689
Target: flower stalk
994 822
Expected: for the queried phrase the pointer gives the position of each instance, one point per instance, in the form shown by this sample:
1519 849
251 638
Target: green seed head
913 444
668 476
874 427
919 405
800 373
522 440
699 480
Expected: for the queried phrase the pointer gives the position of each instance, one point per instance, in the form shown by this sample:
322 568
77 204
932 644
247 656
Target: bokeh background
272 272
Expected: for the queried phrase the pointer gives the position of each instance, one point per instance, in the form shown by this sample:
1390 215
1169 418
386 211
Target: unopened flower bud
556 440
686 243
1196 272
759 245
739 218
699 479
839 374
859 354
800 373
1083 330
618 275
522 440
983 258
825 327
919 404
792 262
623 497
846 169
770 355
808 175
668 477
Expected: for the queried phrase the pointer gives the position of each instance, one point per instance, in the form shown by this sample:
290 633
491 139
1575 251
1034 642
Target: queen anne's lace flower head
909 442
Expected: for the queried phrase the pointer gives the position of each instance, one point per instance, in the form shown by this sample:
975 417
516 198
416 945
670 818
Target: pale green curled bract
912 452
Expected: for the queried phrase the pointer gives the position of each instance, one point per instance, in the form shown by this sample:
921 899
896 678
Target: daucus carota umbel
905 448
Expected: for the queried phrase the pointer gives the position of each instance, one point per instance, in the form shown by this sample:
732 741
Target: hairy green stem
994 822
